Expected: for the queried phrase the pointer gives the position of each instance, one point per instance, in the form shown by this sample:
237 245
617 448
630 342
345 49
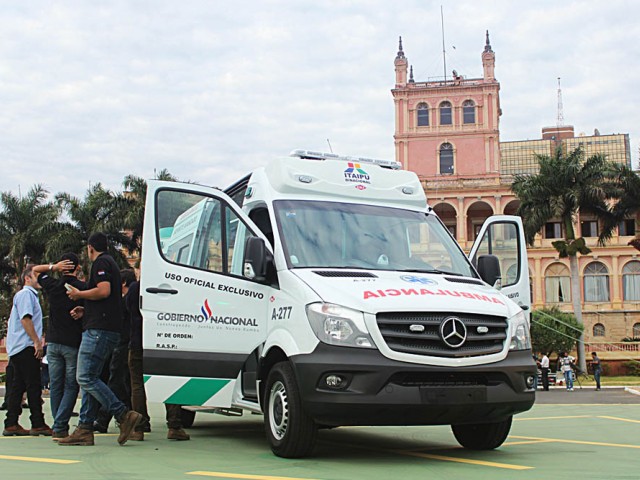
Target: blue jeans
95 349
568 378
63 361
596 375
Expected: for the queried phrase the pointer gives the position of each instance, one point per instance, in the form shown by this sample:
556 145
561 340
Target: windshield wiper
431 270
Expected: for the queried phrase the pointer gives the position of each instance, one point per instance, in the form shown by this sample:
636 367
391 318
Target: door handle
170 291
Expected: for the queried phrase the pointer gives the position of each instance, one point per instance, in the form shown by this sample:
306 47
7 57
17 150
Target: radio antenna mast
560 119
330 149
444 55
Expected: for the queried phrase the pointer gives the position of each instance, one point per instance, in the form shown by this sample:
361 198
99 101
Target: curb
632 390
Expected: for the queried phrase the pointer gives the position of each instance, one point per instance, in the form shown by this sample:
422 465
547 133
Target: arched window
598 330
469 111
446 159
557 284
596 282
423 115
636 330
445 114
631 281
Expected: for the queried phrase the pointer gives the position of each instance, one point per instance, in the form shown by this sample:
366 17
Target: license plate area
453 395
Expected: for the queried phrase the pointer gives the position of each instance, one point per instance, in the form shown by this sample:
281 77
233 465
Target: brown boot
59 435
15 431
130 420
177 434
80 436
43 430
137 436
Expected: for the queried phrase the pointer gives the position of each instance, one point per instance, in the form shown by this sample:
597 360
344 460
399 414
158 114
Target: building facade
447 130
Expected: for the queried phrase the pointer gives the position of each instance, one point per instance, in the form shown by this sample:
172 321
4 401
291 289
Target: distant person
566 365
63 334
597 368
544 368
101 324
25 349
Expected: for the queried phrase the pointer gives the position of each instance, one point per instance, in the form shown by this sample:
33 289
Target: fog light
530 380
334 381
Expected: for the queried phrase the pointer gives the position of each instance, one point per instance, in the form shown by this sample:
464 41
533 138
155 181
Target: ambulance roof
336 178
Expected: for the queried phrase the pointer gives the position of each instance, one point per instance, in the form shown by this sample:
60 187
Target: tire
187 417
482 436
290 431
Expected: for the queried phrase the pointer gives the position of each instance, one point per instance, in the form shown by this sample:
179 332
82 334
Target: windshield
341 235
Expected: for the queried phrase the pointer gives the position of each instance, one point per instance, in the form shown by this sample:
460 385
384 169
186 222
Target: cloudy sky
91 91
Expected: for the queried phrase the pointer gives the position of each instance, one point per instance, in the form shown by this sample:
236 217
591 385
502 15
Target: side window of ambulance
200 232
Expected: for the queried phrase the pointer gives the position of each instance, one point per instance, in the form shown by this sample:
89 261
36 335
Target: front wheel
482 436
290 431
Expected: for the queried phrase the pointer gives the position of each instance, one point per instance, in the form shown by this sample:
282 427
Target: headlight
336 325
520 336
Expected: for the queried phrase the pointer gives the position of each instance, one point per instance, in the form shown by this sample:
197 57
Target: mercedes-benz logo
453 332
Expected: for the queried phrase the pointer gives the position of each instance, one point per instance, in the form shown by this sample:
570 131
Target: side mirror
489 269
256 259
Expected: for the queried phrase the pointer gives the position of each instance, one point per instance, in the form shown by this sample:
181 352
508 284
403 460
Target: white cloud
209 90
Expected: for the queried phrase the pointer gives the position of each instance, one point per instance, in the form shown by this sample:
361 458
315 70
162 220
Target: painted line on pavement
526 442
550 418
619 419
38 460
579 442
240 475
484 463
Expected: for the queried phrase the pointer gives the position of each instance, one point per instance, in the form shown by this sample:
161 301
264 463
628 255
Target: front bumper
380 391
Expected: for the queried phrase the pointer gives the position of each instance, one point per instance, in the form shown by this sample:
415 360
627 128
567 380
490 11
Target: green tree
566 185
628 204
130 205
97 212
554 331
26 225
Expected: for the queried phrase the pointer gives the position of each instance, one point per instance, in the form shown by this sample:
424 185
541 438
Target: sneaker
80 437
43 430
58 435
129 421
177 434
137 436
15 431
146 426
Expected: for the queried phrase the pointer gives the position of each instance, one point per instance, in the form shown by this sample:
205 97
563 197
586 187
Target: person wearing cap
63 338
101 325
25 349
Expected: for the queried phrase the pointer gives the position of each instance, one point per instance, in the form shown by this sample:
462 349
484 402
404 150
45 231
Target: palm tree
130 205
26 224
629 203
564 186
95 213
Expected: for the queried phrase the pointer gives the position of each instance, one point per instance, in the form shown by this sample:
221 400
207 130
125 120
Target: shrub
633 368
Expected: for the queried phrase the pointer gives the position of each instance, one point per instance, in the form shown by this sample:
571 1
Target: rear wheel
482 436
187 417
290 431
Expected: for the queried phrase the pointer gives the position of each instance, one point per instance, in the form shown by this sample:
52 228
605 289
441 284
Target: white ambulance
323 291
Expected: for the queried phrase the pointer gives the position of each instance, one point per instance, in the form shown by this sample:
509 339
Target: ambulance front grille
418 333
